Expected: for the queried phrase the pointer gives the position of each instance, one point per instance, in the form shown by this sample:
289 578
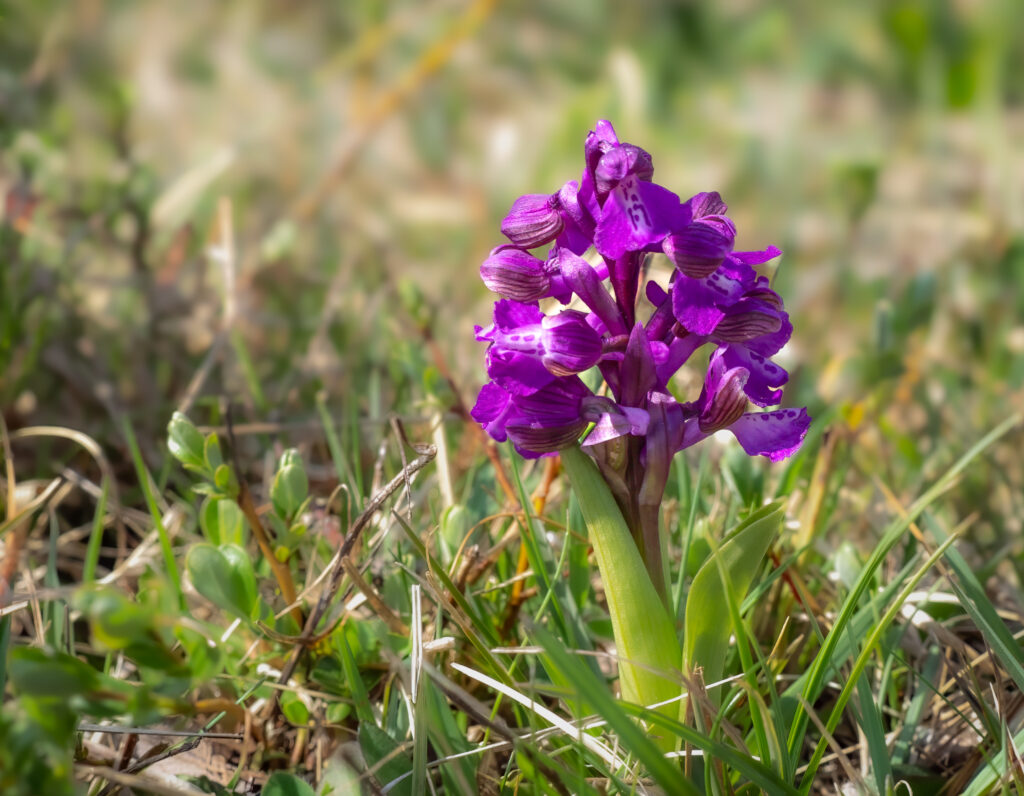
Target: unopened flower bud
533 220
516 274
620 162
707 204
700 247
570 344
737 327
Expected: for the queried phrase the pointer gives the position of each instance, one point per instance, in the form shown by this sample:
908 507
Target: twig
336 568
389 617
130 780
282 573
116 729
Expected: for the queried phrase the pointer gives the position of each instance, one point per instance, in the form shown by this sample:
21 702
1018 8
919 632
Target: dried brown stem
282 574
389 617
337 570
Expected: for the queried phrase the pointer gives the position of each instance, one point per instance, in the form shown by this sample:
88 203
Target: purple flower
601 231
748 333
629 212
516 274
636 216
715 297
700 304
698 248
722 404
533 220
529 349
552 417
536 219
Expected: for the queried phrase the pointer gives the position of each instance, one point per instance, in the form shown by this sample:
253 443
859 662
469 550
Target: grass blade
146 483
868 649
816 675
626 730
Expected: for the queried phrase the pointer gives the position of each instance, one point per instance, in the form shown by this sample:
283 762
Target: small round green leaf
294 709
290 487
224 576
185 441
222 521
225 481
282 784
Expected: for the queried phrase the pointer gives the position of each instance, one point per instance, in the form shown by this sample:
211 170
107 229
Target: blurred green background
365 152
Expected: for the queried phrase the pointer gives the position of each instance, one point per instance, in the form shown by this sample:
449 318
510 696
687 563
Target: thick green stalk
645 635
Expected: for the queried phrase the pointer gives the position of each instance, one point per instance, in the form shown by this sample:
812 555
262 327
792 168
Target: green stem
645 635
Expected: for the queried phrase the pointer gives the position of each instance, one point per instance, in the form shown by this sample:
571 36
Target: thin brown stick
127 780
389 617
336 568
282 573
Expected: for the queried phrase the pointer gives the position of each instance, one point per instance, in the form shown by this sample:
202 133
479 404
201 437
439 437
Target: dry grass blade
591 743
386 615
838 752
160 787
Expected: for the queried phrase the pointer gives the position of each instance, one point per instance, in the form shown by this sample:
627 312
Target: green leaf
224 576
185 441
282 784
225 481
222 521
294 709
708 623
456 523
207 785
290 486
337 712
211 453
116 620
377 747
44 673
645 635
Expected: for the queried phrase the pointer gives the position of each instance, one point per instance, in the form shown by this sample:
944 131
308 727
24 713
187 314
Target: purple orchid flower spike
601 231
594 378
